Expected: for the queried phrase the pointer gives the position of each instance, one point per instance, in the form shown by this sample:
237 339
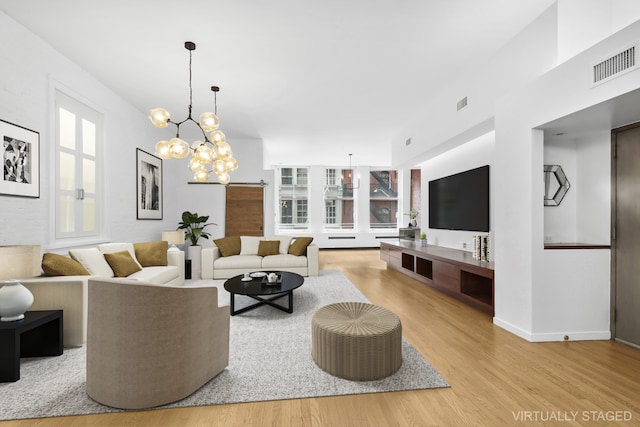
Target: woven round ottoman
356 341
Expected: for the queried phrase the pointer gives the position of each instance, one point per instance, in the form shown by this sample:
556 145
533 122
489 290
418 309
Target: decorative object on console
17 262
413 214
148 185
215 152
481 247
423 239
173 238
556 185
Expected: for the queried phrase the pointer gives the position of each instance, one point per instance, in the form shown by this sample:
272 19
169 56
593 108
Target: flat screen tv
460 201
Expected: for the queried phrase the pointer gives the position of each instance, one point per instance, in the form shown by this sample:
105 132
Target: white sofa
216 266
70 293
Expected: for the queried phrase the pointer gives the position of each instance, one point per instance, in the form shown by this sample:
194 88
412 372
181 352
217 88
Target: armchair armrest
313 259
177 258
208 256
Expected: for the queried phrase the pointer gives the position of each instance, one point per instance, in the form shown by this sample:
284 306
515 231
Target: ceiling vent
615 65
462 103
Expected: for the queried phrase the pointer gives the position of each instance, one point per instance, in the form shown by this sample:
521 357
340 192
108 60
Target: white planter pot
15 299
194 254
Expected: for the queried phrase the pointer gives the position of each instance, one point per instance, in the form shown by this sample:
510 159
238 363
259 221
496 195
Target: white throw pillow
285 242
249 245
109 248
93 260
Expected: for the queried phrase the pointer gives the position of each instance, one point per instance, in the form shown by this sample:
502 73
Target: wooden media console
451 271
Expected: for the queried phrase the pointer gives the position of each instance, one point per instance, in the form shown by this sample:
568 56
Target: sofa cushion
122 263
285 242
249 245
246 262
108 248
93 260
151 254
268 247
299 246
60 265
156 274
276 262
228 246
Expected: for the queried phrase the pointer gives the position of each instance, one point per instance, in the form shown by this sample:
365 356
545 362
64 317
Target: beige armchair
149 345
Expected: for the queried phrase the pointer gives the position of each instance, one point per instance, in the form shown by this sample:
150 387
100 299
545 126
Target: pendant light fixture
213 154
350 186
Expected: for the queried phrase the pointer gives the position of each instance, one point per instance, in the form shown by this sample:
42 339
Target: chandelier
213 154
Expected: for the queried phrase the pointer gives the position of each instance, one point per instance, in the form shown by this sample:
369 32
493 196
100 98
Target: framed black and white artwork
20 154
148 185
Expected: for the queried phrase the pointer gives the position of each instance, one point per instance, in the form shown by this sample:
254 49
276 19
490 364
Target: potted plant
423 238
194 226
192 223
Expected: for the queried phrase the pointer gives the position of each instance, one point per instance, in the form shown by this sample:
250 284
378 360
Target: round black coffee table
257 287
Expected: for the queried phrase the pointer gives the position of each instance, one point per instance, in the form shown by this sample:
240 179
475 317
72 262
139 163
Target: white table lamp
17 262
173 238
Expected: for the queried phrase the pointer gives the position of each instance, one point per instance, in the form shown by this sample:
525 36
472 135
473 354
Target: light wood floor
497 379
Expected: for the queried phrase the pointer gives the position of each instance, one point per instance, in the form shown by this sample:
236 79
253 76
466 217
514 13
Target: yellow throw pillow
228 245
60 265
122 263
150 254
268 247
299 246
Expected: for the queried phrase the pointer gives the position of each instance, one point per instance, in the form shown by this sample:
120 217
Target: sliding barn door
245 211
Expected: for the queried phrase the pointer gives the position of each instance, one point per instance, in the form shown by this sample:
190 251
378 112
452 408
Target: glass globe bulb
195 164
179 148
217 136
208 122
204 154
219 166
201 175
232 164
163 150
224 178
159 117
222 150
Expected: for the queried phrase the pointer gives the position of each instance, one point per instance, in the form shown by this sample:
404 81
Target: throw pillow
93 260
108 248
285 242
60 265
228 245
299 246
249 245
122 263
150 254
268 247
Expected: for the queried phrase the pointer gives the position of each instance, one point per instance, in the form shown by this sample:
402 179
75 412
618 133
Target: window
383 198
338 200
293 198
78 130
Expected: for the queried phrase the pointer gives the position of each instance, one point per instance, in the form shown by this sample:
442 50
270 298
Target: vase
194 254
15 299
413 222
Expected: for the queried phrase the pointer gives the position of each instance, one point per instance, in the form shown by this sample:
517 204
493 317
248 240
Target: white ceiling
315 79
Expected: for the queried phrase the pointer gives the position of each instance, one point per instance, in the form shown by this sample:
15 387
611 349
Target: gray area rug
270 359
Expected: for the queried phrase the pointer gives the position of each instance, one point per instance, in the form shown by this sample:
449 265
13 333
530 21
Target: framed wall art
148 185
20 154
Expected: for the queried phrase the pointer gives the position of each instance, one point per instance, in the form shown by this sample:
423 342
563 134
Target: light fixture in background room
350 186
17 262
213 154
173 238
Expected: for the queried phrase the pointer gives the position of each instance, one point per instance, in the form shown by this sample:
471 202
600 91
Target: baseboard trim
553 336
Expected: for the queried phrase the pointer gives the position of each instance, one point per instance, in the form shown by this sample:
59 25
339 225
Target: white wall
31 69
540 294
475 153
584 214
